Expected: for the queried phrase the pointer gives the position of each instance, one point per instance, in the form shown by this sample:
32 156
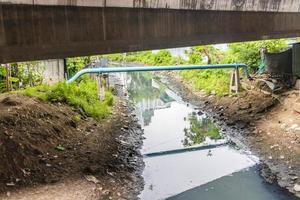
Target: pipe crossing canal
186 155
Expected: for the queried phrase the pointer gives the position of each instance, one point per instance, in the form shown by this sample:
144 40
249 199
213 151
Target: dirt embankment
269 126
47 153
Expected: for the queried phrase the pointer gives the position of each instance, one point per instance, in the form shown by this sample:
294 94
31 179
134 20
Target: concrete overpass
43 29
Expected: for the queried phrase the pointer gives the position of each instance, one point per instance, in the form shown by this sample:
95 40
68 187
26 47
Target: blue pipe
155 68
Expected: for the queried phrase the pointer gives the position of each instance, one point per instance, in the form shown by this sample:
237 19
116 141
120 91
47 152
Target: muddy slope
42 144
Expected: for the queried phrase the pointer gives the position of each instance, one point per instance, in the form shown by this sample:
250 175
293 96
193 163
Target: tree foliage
162 57
210 81
76 64
249 52
198 55
22 75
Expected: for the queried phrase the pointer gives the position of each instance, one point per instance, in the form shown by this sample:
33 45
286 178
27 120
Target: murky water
185 155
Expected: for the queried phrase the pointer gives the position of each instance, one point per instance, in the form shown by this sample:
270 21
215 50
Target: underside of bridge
35 32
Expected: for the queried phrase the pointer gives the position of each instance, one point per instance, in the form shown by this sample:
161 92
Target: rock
92 169
293 127
297 187
81 112
209 153
274 146
72 123
42 160
10 102
270 157
35 151
91 178
245 106
200 113
10 184
297 85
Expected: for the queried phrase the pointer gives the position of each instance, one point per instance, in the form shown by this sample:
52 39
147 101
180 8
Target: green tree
26 74
196 55
163 57
210 81
76 64
249 52
21 75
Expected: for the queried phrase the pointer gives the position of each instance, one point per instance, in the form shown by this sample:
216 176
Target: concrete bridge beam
34 32
221 5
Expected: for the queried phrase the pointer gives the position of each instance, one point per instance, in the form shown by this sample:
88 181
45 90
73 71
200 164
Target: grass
210 81
83 95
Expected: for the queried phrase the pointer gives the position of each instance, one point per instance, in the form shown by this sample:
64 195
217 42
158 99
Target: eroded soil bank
268 125
47 153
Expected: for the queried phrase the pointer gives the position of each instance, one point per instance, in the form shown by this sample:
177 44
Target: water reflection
148 95
201 129
168 122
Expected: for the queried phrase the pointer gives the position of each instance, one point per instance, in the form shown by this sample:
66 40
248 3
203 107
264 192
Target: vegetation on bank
20 75
82 96
76 64
27 78
209 81
29 75
249 52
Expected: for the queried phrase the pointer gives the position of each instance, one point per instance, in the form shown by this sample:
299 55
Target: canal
186 155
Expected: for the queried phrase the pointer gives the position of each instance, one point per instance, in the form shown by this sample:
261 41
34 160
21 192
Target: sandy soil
266 124
46 154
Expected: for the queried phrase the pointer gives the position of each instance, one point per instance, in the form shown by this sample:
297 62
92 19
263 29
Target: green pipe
101 70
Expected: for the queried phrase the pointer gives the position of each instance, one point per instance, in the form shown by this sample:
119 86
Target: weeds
210 81
83 95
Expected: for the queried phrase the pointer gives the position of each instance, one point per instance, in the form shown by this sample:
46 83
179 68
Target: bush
208 80
162 57
249 52
83 95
